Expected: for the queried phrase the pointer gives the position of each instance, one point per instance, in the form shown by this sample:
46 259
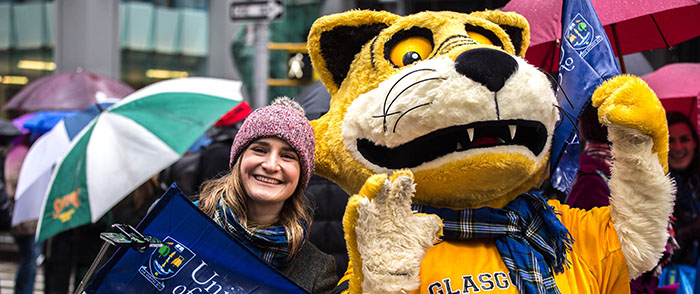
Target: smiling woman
685 170
262 202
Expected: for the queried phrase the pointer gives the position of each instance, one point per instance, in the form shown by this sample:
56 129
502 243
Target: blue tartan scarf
529 236
270 243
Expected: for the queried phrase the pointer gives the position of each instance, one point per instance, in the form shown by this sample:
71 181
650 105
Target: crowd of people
297 226
316 214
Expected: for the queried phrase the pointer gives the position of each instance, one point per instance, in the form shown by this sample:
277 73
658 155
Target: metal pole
261 64
87 36
93 267
619 50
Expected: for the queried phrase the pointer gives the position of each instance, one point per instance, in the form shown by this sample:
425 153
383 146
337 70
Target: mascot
442 132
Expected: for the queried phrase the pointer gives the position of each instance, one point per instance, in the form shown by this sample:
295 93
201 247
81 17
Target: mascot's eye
479 38
410 50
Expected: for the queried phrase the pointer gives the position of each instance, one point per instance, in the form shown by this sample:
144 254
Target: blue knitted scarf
529 236
270 243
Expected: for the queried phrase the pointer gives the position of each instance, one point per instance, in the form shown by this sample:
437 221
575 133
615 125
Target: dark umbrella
7 131
631 25
64 91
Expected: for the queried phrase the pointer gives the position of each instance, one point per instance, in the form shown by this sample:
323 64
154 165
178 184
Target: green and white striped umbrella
127 144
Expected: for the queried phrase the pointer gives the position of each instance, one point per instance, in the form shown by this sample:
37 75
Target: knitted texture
283 119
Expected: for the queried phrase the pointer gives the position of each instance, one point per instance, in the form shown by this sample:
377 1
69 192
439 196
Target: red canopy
640 25
678 87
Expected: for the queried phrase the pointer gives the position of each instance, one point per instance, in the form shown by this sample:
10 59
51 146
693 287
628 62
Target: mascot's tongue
484 141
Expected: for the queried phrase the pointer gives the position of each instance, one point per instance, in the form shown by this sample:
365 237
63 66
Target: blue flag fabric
198 256
586 60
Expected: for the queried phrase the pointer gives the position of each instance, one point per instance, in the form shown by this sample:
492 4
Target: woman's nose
271 162
674 145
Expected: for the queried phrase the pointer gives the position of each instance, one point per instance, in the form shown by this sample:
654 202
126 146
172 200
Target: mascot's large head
444 94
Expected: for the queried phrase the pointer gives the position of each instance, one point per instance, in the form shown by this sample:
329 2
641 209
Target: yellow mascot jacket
475 266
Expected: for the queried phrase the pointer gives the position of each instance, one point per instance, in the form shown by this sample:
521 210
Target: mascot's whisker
566 97
573 121
411 85
404 90
385 109
558 86
410 109
385 115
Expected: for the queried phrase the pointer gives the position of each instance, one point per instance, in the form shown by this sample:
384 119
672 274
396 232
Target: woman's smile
270 171
267 180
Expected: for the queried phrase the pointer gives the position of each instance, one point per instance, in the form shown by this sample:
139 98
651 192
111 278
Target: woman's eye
289 156
258 149
410 50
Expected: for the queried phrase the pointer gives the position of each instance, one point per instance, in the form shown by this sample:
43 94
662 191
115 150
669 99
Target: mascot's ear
335 39
515 25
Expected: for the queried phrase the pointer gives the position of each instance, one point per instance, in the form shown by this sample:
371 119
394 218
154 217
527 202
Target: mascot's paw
386 239
627 101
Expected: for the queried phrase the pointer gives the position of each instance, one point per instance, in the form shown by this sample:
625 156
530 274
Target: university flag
586 60
198 256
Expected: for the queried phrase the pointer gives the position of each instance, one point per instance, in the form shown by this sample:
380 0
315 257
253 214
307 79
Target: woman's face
681 146
270 171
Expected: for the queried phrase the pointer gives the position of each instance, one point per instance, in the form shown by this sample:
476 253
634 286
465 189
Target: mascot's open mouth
531 134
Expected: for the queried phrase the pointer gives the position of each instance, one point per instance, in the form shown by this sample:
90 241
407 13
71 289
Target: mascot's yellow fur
439 109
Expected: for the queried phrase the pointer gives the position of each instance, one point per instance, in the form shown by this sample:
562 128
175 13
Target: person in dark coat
591 186
327 198
261 201
590 190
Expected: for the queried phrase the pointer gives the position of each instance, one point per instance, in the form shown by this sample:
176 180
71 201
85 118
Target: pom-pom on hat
284 119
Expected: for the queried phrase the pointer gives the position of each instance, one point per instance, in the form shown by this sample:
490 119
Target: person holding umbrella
261 201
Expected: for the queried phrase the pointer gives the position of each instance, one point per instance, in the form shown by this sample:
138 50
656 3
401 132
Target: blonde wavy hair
295 217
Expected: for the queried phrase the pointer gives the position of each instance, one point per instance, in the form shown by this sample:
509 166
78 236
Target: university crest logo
581 35
165 262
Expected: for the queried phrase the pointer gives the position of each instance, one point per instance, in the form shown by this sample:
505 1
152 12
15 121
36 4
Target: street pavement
7 278
8 268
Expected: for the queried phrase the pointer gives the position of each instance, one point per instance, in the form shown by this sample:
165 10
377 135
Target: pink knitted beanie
283 119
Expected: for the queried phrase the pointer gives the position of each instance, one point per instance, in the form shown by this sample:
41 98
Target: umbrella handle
619 50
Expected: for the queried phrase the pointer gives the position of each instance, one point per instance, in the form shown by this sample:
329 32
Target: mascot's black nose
488 67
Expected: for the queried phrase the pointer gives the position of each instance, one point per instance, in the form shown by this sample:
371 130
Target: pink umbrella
678 87
631 25
65 91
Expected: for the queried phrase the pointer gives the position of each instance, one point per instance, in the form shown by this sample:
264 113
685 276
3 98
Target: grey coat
312 269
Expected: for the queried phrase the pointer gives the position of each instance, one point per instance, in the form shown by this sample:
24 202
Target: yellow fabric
487 179
640 103
597 264
335 162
